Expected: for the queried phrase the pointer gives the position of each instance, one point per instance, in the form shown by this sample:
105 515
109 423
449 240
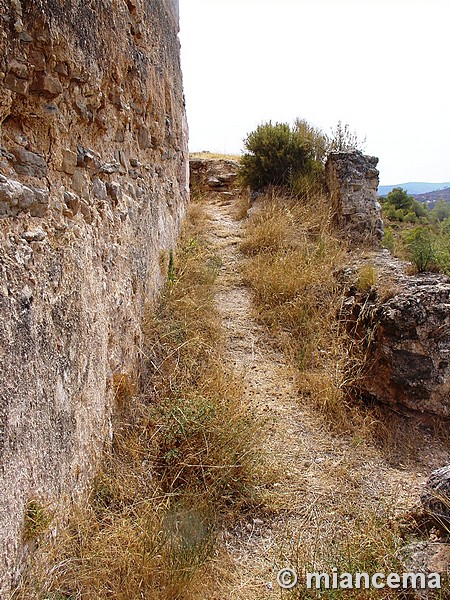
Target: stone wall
214 175
93 184
352 181
406 318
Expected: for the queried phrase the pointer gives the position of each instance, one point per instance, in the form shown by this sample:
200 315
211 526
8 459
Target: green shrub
441 211
400 207
442 251
389 240
398 197
314 138
276 154
410 217
420 210
420 248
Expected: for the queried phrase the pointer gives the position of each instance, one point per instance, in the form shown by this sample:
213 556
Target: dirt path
323 483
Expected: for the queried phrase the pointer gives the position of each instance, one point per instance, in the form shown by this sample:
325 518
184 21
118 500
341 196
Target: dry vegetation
214 155
352 508
199 451
292 267
182 460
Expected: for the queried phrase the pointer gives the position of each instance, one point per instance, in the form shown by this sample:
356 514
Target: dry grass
291 268
214 156
241 206
268 230
293 262
182 461
347 505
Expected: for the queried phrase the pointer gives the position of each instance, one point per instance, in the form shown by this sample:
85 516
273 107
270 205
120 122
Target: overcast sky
382 66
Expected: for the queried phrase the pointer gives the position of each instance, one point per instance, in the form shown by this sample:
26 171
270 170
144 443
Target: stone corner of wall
352 182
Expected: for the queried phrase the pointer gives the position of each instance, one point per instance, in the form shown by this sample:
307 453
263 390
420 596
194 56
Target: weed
360 550
419 244
37 519
367 277
389 241
171 268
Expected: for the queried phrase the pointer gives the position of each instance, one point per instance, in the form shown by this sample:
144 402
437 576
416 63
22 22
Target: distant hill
413 188
431 198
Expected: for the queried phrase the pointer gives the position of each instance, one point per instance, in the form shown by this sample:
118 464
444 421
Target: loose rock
436 497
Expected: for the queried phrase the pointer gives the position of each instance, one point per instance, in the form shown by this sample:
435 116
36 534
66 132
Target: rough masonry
93 184
352 181
406 320
218 175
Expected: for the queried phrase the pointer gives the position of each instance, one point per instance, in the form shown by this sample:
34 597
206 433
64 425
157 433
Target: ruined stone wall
93 182
213 175
352 181
405 320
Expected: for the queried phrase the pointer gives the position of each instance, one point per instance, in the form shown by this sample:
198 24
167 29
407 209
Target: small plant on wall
37 519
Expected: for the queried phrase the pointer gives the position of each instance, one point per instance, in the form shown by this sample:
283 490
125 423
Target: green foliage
389 240
276 154
314 138
441 245
410 217
292 157
420 210
441 211
427 244
420 248
398 206
37 519
398 197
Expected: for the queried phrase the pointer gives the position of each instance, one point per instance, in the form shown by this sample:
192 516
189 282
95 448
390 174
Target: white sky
382 66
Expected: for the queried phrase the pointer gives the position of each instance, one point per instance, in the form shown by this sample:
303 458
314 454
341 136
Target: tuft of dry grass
242 206
268 229
124 386
367 277
182 460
